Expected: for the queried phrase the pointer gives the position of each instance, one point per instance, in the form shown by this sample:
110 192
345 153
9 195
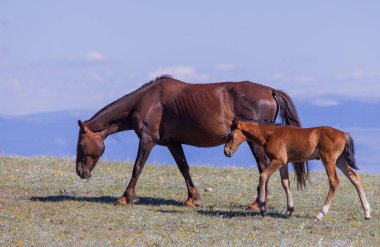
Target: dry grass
43 202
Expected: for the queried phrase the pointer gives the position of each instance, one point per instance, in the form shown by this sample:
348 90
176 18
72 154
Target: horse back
199 114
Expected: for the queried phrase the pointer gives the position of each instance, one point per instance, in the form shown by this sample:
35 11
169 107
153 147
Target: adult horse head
89 149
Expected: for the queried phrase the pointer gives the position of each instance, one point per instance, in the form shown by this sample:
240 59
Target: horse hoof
263 212
121 201
254 207
367 217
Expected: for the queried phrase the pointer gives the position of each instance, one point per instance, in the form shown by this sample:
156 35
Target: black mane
109 106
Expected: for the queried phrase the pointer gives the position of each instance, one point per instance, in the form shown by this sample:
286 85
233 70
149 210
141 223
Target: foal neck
255 132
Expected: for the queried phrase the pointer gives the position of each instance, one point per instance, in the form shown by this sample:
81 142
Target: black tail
349 152
289 116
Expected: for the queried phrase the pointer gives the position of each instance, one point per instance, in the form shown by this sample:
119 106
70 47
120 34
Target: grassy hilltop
43 202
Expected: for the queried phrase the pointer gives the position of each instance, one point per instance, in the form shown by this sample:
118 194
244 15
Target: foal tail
289 116
349 151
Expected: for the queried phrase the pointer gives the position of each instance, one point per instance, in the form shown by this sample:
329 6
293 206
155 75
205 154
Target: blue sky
70 55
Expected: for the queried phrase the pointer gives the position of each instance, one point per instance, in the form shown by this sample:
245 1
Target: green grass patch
43 202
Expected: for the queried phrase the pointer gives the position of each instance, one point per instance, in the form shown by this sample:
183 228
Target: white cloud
94 56
185 73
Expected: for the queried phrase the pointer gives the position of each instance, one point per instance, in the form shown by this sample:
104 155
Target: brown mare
170 112
283 144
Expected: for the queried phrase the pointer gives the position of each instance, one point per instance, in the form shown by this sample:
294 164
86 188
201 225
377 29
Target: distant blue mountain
56 133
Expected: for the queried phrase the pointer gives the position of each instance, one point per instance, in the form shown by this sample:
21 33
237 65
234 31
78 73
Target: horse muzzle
84 174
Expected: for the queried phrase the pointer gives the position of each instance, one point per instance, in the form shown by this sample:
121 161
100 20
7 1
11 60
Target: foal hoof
289 213
367 214
319 217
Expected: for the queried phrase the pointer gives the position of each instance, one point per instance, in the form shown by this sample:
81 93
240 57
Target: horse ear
81 126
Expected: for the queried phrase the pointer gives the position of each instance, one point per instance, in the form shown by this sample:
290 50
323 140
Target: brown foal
283 144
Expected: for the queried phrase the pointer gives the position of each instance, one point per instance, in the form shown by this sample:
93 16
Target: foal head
235 137
89 149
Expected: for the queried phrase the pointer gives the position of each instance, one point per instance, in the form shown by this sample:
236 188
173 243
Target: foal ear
235 122
81 126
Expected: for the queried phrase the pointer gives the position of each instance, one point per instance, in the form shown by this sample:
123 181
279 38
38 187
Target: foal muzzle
228 152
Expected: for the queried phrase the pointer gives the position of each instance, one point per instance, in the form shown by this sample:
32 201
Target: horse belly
191 133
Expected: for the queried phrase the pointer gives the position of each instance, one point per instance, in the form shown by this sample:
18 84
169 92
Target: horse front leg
145 146
284 172
192 193
261 160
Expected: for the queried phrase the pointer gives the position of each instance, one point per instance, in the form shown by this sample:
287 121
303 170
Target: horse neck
255 132
114 117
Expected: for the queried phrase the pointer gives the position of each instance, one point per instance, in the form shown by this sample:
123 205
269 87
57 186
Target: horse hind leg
284 172
180 159
333 181
355 180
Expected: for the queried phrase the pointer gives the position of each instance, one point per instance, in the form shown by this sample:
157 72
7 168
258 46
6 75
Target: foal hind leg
284 172
261 160
180 159
354 178
333 181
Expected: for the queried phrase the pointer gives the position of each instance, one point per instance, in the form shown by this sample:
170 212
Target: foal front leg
145 146
284 172
264 176
259 155
333 181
